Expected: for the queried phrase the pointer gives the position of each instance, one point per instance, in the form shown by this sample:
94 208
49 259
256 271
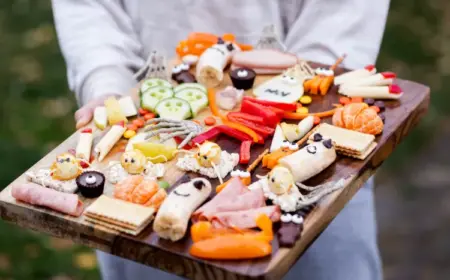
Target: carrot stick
300 116
307 85
213 105
315 84
326 84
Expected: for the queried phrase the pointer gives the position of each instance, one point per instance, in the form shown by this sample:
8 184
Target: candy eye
198 154
68 159
126 160
205 157
132 160
273 180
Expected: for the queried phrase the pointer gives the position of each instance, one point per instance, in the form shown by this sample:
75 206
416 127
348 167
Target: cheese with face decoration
287 87
173 216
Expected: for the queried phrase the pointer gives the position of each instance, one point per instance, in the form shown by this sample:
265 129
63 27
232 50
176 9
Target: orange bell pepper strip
202 37
213 244
230 247
300 116
204 230
213 105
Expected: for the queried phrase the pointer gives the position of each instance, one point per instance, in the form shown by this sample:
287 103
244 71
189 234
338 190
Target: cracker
345 139
109 226
362 156
119 212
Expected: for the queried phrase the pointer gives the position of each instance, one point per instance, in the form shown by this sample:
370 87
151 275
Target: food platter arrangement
227 151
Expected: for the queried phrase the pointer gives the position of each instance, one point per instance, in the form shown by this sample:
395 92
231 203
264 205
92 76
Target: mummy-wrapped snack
173 216
108 141
83 150
212 62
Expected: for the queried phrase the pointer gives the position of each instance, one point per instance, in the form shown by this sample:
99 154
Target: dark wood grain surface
147 248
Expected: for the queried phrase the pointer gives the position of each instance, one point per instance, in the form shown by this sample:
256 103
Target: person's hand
85 114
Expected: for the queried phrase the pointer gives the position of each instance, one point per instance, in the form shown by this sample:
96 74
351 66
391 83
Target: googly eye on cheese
379 79
355 74
382 92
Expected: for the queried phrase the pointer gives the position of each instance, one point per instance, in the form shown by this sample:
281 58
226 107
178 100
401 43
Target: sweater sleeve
99 45
323 30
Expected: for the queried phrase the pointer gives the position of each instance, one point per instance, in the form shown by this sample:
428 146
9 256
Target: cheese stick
83 150
108 141
380 79
212 62
304 126
355 74
310 160
383 92
173 216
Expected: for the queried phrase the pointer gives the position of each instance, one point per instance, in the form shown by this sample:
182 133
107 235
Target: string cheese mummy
383 92
212 62
310 160
83 150
173 216
355 74
380 79
108 141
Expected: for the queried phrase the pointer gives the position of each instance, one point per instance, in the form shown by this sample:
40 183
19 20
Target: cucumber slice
184 86
151 97
154 82
197 99
173 108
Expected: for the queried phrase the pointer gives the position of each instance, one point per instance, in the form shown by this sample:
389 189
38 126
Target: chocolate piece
91 183
317 137
383 117
380 104
288 234
328 144
230 47
220 41
243 78
369 101
184 77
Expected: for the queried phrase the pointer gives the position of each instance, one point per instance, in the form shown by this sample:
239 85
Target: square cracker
119 212
344 138
362 156
110 226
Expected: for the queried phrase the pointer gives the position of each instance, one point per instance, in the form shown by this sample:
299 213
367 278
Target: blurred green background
36 115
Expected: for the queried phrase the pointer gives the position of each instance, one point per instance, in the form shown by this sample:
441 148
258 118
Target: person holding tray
104 42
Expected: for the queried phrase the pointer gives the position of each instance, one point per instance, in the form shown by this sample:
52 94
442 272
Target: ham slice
230 192
246 218
236 206
264 61
67 203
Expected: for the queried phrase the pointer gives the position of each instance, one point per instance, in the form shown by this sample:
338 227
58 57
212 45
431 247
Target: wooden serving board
147 248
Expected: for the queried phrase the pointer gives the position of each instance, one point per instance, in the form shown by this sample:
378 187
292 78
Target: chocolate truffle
181 74
91 183
243 78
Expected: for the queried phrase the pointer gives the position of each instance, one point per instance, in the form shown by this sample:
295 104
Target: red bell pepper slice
207 135
262 130
279 112
244 154
269 116
239 135
279 105
245 116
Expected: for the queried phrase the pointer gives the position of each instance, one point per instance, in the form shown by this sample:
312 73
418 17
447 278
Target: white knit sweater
105 41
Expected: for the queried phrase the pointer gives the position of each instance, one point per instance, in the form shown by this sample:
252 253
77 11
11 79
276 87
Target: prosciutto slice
67 203
246 218
236 206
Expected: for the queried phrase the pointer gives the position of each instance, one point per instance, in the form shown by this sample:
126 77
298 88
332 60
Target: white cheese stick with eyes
173 216
83 150
310 160
355 75
382 92
108 141
212 62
